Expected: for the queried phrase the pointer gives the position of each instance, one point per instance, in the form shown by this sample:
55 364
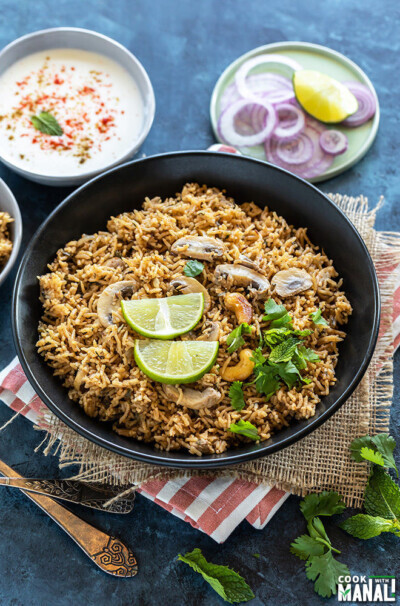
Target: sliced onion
318 163
366 104
227 123
289 128
262 85
295 151
333 142
243 71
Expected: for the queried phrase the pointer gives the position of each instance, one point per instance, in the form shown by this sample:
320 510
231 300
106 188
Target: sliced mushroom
243 276
116 263
191 398
202 445
236 302
79 377
109 300
198 247
291 281
247 262
187 285
211 332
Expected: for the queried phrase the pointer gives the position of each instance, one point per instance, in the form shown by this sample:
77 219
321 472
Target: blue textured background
185 45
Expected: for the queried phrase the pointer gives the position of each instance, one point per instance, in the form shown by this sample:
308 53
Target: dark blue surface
185 45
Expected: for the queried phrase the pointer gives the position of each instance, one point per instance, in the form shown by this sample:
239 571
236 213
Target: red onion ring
319 162
227 124
366 104
243 71
295 151
287 129
333 142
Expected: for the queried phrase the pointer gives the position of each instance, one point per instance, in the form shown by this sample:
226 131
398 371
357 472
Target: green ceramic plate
320 58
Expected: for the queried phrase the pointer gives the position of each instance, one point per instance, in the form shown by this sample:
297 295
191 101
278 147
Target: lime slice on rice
323 97
175 362
164 318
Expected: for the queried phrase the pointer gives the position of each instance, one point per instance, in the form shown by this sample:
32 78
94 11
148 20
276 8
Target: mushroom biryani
194 323
5 240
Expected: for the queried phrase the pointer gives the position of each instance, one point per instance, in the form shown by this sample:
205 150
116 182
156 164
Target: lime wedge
323 97
175 362
164 318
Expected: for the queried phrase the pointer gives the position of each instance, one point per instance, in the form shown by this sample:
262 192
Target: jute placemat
320 461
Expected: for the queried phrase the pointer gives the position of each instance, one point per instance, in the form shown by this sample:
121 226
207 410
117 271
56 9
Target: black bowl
121 189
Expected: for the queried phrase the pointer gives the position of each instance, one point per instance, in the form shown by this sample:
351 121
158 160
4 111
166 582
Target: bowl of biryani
283 326
10 230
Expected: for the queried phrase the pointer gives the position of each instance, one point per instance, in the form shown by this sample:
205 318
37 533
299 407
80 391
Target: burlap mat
320 461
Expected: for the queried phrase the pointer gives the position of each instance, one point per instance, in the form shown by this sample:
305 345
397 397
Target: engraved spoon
107 552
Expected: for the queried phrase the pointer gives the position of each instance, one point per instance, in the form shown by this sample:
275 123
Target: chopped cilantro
235 339
317 318
193 268
245 428
236 395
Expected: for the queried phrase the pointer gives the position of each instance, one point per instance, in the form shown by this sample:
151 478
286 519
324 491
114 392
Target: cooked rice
137 246
5 241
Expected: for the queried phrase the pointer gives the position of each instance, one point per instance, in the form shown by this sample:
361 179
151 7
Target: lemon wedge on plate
323 97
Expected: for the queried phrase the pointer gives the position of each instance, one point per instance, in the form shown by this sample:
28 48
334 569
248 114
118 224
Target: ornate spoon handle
108 552
73 491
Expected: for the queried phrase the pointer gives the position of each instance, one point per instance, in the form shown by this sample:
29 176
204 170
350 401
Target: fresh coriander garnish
377 449
277 315
47 124
317 318
382 494
225 581
245 428
193 268
236 395
316 548
235 339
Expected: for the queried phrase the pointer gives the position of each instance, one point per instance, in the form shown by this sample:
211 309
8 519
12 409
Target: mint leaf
382 495
47 124
245 428
364 526
382 443
317 318
276 335
236 395
284 351
325 571
323 504
304 547
225 581
193 268
235 339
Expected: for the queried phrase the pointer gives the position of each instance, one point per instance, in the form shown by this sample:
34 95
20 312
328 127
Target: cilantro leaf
325 571
382 495
47 124
245 428
266 380
364 526
305 546
225 581
303 355
258 357
288 373
382 443
235 339
273 311
193 268
323 504
284 351
236 395
285 320
317 318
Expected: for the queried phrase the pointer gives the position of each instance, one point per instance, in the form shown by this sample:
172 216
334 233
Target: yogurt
94 100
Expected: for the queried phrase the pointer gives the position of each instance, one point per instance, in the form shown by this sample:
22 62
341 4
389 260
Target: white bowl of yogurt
73 103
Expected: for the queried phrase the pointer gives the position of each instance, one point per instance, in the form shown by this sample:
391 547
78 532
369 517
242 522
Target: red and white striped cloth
216 506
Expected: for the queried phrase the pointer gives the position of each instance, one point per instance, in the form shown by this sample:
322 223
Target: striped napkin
216 506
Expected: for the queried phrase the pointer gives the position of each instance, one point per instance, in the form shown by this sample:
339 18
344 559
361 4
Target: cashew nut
242 370
238 303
